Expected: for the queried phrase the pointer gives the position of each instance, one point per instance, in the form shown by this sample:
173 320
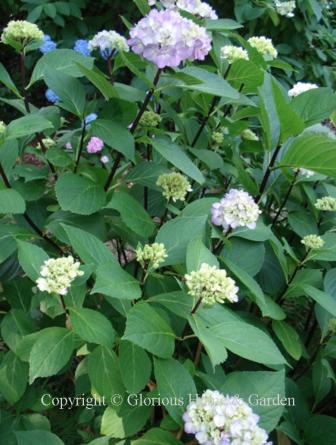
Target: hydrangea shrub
167 237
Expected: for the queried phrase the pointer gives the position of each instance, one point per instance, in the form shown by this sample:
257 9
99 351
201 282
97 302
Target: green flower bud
153 254
313 242
175 186
150 119
327 204
20 33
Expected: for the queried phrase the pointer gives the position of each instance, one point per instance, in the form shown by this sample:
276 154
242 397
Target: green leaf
31 259
132 213
61 60
198 79
239 336
13 378
268 113
113 281
136 367
222 25
142 6
312 151
216 351
126 423
147 329
174 382
37 437
99 80
89 248
177 233
247 73
289 338
27 125
322 298
315 105
197 254
104 372
248 255
92 326
115 136
79 195
50 353
7 81
157 436
178 157
316 428
11 202
68 89
291 123
260 385
178 302
247 280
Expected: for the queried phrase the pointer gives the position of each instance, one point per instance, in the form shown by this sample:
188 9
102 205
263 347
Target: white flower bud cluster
21 32
264 46
235 209
301 87
212 285
306 173
175 186
249 135
216 419
232 53
56 275
151 254
105 40
313 242
285 8
327 204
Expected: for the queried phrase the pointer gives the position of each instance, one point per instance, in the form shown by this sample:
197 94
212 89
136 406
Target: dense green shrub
167 225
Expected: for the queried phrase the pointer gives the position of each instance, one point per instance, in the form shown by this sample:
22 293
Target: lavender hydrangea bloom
51 96
82 47
167 39
47 45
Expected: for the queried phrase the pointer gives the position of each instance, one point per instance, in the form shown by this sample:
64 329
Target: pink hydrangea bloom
167 39
95 145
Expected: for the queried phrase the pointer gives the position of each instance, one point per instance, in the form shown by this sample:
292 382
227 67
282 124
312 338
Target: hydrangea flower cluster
235 209
51 96
285 8
249 135
167 39
217 137
216 419
232 53
47 45
264 46
95 145
90 118
314 242
327 204
301 87
104 159
82 46
48 142
56 275
175 186
108 42
151 254
196 7
211 285
21 32
150 119
306 173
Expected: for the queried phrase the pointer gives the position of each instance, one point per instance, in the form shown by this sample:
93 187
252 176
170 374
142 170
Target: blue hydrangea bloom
47 45
90 118
51 96
82 47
